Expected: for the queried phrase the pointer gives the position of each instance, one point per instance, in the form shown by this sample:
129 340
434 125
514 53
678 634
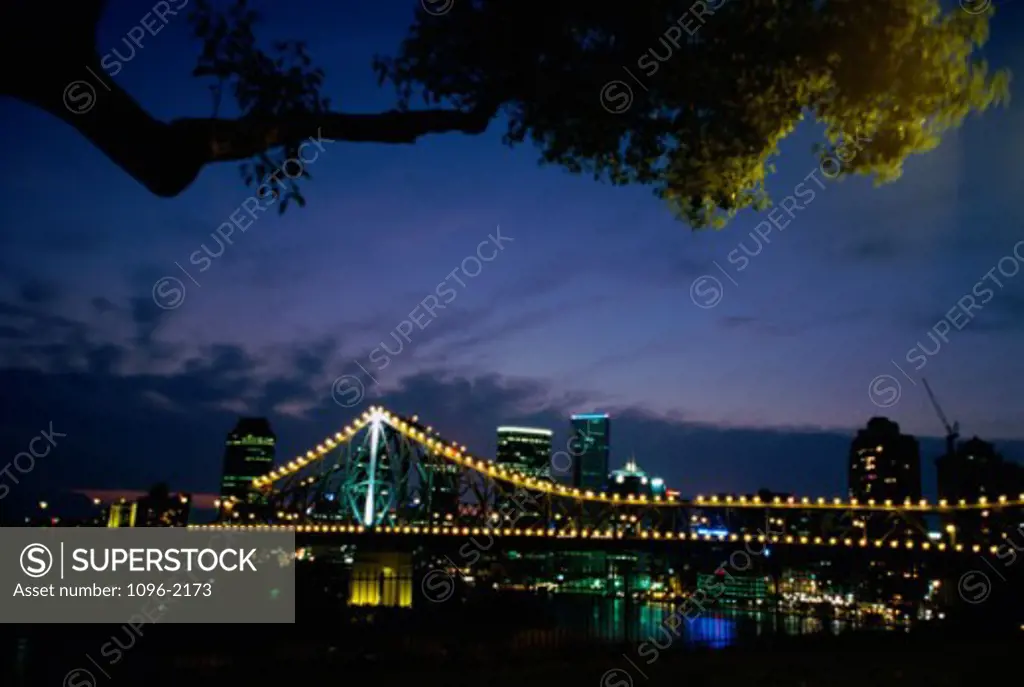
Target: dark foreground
246 655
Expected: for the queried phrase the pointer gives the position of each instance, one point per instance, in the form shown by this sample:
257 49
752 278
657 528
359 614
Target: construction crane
952 431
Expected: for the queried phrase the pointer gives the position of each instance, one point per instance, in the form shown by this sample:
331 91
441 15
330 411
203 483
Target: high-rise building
525 449
977 470
632 480
249 453
589 447
885 464
974 471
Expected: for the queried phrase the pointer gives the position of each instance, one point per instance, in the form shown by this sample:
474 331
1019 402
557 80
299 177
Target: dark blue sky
589 307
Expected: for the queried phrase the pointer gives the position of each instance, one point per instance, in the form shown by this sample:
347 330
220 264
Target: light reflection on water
605 619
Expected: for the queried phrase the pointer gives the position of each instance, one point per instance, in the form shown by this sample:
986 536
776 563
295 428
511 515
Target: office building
885 464
526 450
975 471
589 447
249 453
632 480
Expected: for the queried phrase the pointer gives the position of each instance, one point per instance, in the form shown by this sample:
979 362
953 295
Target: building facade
632 480
248 453
975 471
885 464
590 449
525 449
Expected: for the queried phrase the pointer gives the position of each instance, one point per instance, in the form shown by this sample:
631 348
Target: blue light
705 532
591 416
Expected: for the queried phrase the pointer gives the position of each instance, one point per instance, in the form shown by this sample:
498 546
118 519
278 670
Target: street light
43 505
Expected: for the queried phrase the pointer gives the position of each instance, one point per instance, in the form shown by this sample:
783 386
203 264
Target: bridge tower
373 475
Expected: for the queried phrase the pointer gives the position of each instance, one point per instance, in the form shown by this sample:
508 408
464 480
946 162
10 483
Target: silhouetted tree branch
724 82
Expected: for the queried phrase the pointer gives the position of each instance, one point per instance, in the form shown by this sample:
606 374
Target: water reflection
606 619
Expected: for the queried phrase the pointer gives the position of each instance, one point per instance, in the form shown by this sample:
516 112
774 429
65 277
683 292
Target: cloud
40 292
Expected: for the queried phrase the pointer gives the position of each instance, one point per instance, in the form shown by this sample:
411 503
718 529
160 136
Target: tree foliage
705 125
722 82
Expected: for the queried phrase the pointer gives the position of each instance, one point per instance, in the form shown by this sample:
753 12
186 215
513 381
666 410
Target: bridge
385 476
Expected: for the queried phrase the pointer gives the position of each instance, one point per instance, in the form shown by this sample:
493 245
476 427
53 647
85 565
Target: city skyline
773 380
205 498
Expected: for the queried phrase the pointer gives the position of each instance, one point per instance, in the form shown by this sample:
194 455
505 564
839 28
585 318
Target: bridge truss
388 473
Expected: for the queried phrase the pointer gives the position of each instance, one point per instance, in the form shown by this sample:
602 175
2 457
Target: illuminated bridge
385 478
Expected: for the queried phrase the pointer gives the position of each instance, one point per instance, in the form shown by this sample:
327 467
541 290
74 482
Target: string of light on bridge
459 455
785 540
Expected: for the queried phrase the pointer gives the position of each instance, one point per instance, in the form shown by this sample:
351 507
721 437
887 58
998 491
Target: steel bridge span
386 475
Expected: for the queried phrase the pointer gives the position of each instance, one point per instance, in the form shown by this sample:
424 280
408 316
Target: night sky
588 307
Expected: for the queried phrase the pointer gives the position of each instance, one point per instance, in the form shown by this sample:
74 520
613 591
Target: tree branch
240 139
166 158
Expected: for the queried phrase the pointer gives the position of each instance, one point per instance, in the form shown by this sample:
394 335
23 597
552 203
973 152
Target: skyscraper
974 471
884 464
526 449
589 447
249 453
